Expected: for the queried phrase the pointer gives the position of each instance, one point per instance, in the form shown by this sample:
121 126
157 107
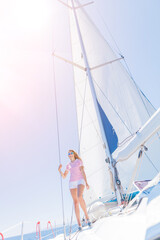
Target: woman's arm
84 175
64 175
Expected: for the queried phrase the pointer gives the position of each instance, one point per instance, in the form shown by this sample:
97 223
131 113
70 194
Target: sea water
45 234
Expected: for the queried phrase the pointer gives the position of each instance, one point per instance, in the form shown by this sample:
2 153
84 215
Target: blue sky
30 32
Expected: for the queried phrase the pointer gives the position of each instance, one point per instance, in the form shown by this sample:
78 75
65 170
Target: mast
88 72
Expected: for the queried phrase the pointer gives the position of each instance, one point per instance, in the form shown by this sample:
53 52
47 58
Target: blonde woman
77 184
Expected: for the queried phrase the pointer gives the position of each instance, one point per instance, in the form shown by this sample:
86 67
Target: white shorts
75 184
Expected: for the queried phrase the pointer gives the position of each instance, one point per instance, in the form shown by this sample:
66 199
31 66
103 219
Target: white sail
91 144
123 108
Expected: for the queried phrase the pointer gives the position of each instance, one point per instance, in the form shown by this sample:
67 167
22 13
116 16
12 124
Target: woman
77 184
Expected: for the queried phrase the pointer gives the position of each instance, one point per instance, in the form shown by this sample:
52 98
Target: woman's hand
87 186
60 166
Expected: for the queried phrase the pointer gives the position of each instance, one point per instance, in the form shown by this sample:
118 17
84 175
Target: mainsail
123 108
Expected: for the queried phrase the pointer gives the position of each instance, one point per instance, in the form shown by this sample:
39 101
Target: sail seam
89 149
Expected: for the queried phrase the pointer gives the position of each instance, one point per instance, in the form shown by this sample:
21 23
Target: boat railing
152 183
38 230
2 236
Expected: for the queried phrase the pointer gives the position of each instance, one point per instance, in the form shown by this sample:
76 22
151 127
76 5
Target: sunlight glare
32 14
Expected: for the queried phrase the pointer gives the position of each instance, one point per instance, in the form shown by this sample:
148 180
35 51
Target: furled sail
123 107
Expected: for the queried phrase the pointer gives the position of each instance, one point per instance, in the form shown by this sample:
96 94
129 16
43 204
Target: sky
30 31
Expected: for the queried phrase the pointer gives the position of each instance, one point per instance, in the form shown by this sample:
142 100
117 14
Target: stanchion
49 223
2 236
38 230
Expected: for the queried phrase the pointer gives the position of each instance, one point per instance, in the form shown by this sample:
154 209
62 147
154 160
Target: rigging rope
138 89
84 97
59 152
131 134
100 137
137 167
108 30
112 106
133 175
126 139
151 163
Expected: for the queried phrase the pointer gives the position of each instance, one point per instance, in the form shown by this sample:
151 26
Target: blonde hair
75 154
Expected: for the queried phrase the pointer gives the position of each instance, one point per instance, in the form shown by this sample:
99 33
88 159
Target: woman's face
71 155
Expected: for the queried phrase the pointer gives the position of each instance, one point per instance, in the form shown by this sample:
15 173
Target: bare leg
76 204
81 200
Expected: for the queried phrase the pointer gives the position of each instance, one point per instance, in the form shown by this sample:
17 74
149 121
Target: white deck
143 224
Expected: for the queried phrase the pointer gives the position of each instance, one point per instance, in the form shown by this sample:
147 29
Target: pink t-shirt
74 168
